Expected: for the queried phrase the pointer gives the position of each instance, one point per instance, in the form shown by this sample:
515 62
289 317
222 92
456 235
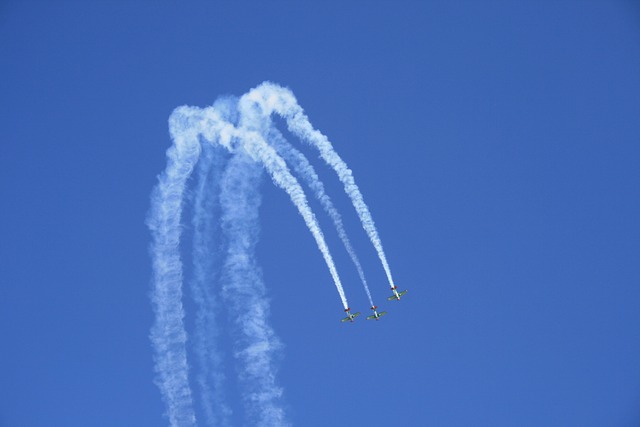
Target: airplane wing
394 297
373 316
352 317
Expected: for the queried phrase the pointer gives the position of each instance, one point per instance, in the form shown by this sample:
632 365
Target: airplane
350 317
396 295
375 314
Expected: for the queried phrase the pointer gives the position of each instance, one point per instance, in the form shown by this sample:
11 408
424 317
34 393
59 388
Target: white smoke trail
168 334
255 145
272 98
244 292
303 168
210 376
211 125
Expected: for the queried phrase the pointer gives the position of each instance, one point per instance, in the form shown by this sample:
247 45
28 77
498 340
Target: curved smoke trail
273 98
256 146
300 126
209 123
303 168
277 168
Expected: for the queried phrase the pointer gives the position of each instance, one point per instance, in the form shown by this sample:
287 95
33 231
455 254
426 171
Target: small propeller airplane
350 317
396 295
375 314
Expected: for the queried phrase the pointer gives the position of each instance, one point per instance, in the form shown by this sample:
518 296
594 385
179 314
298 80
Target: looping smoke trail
270 98
242 127
242 289
303 168
168 335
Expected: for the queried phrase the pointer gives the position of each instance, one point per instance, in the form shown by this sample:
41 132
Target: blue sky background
497 144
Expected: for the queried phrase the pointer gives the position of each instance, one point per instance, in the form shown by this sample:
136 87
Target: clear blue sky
496 143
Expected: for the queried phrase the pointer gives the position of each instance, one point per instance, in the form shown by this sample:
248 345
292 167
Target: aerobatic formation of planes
375 316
